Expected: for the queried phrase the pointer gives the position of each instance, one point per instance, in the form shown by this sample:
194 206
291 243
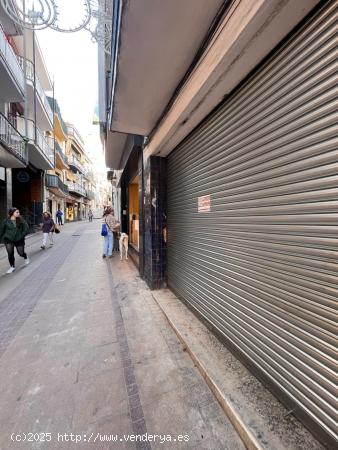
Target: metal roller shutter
261 265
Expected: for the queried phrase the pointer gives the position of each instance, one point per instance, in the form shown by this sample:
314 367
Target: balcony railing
54 104
39 88
44 143
61 154
11 60
12 139
88 173
75 187
73 161
54 181
90 194
72 131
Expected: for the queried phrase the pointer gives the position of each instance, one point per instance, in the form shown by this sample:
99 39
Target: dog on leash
123 243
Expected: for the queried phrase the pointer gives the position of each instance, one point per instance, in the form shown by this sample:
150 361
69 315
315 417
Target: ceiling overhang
38 158
157 44
118 147
58 129
8 159
247 33
59 162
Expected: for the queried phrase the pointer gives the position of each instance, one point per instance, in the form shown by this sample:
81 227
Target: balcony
13 148
88 174
61 155
74 162
54 183
41 148
39 89
111 175
12 79
72 132
76 188
55 106
46 144
90 194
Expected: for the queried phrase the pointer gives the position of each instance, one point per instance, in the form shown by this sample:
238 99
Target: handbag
104 230
55 229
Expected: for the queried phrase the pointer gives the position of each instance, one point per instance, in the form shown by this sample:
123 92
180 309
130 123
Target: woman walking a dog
112 226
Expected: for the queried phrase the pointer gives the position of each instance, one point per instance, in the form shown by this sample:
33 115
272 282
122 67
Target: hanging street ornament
31 14
66 22
92 15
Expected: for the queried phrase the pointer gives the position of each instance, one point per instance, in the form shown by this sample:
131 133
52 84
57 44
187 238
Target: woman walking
112 225
13 230
48 227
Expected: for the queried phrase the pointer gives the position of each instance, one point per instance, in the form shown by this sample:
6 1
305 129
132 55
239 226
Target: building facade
43 164
79 177
232 146
13 148
27 148
57 192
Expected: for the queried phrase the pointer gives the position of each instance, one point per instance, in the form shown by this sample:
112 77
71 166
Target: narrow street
203 136
85 349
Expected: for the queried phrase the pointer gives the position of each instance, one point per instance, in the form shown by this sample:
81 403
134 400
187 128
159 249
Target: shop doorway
134 213
27 189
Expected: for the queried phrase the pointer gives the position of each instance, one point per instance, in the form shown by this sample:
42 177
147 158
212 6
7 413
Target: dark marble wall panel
155 221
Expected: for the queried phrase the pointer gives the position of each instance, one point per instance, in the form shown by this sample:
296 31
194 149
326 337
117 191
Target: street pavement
89 361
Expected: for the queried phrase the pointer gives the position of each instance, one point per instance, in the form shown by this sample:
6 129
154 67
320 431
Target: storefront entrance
134 213
70 212
250 214
27 188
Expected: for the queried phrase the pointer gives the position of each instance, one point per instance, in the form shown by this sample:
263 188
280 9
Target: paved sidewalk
261 420
85 349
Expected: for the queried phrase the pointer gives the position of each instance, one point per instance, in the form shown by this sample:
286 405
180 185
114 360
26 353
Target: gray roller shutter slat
274 77
262 265
258 346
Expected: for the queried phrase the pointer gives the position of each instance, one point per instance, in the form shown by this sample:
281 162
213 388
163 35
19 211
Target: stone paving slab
95 356
259 417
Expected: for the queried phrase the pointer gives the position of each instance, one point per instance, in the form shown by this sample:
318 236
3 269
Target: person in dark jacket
48 227
13 230
59 215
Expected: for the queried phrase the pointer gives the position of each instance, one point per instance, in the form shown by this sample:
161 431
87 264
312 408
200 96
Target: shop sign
22 176
204 203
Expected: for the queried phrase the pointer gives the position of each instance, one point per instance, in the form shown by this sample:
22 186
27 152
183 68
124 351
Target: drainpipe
107 100
34 76
54 124
25 80
116 26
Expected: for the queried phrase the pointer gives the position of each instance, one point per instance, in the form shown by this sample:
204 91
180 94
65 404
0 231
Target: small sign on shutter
204 203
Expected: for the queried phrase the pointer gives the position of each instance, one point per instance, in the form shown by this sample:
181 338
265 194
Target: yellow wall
133 199
134 215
